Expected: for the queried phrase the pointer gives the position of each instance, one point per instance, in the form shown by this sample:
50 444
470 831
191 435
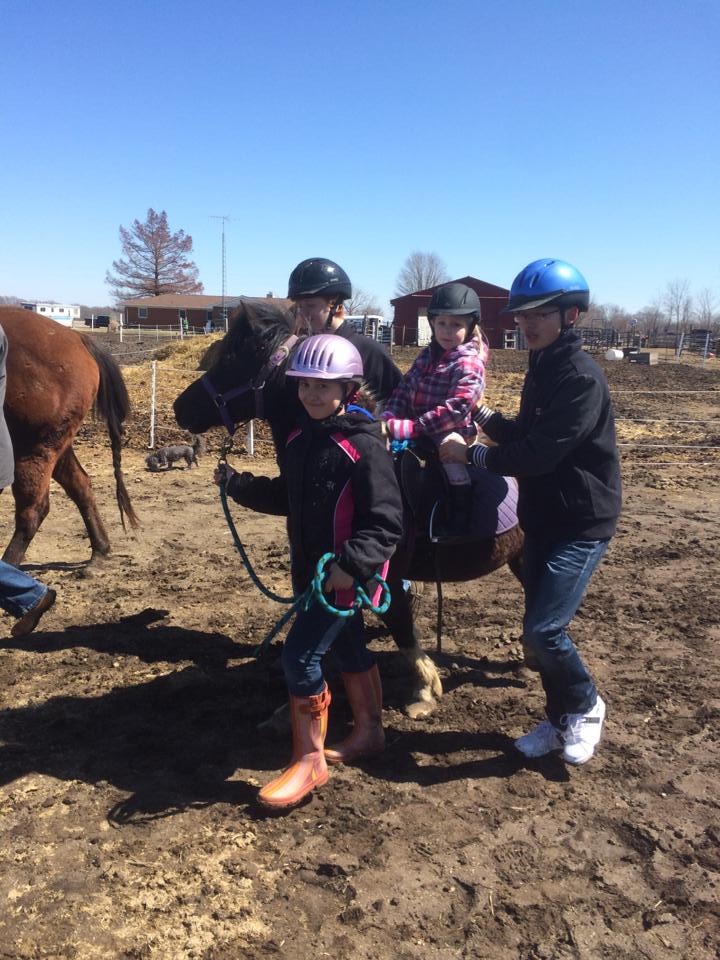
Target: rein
257 384
314 593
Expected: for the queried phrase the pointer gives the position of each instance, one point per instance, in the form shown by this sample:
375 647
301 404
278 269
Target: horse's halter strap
257 384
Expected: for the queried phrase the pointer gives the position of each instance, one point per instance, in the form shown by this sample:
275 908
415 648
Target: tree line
155 260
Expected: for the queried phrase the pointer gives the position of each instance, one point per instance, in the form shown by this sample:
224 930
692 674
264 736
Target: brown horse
247 380
54 376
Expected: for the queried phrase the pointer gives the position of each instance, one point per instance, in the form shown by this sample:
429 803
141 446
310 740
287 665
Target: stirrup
436 537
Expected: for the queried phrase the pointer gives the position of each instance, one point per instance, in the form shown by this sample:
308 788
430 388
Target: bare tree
362 302
420 271
156 261
649 321
706 310
678 303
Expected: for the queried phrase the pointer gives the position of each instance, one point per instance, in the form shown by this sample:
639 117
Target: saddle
423 484
424 487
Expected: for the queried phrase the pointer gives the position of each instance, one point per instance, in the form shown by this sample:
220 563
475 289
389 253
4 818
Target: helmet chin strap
331 315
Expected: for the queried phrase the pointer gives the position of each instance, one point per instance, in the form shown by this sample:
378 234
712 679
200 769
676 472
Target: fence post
250 442
707 346
153 382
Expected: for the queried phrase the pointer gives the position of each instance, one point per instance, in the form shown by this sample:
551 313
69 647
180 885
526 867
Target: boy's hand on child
337 579
452 450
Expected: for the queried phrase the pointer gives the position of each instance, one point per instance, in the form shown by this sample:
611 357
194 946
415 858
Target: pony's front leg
399 621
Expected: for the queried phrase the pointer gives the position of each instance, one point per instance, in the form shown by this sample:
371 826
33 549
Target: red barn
411 325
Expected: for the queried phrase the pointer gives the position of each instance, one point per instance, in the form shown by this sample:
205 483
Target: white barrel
613 354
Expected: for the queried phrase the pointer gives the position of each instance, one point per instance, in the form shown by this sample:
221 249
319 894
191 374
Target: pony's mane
263 324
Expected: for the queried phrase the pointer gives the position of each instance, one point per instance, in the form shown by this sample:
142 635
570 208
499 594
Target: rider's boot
308 769
457 527
364 692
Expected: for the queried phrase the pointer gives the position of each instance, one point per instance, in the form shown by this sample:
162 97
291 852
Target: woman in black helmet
319 288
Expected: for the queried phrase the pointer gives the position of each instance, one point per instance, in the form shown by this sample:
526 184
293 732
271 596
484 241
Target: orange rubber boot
308 769
364 691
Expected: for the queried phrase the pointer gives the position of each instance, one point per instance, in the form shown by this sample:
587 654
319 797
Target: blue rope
314 592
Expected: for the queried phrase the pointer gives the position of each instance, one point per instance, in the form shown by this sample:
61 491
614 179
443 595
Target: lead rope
314 592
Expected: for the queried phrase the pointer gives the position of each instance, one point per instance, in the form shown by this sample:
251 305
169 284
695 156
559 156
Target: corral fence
656 427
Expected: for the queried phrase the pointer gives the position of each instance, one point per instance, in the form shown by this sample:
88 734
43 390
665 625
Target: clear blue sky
491 132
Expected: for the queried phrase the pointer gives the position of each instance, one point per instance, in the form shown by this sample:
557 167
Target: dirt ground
129 757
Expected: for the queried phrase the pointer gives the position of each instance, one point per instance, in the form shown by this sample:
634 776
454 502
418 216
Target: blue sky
491 132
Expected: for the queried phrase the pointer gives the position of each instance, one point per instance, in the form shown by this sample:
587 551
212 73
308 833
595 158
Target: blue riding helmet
548 281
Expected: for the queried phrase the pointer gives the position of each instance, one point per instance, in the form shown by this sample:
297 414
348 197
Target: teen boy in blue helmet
562 448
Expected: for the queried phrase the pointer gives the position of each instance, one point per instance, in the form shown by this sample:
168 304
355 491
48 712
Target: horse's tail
113 404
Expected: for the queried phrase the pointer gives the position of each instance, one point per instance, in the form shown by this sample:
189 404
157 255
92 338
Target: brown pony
54 375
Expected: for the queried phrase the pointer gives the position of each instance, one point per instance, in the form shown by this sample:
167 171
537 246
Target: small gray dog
164 457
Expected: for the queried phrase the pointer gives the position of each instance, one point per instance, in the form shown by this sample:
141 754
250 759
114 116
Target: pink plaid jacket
437 394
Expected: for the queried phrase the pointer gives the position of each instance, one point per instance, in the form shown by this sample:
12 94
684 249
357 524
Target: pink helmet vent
326 357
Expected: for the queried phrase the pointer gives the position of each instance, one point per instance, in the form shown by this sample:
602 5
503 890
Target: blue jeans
555 579
309 639
18 591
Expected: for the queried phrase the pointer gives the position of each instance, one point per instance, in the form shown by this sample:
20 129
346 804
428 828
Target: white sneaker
542 739
582 734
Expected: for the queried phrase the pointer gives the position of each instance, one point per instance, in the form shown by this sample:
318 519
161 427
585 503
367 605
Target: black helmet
455 299
319 277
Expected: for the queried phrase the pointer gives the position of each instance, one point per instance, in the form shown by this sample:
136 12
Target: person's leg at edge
23 597
555 582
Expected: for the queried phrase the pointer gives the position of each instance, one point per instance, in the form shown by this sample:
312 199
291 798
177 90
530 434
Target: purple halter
257 384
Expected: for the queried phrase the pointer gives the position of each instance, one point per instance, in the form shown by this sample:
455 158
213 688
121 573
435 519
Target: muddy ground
129 757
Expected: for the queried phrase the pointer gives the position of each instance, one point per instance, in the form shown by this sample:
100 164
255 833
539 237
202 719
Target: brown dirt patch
129 757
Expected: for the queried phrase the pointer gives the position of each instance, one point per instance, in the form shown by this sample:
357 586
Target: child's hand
453 449
398 429
223 474
337 579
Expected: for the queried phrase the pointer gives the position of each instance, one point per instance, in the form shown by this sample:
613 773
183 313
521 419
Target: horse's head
245 373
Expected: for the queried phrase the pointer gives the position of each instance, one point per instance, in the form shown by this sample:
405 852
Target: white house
64 313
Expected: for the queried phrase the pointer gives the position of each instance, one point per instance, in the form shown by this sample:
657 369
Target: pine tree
155 261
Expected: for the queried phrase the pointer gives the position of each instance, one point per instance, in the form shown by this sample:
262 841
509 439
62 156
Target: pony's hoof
420 708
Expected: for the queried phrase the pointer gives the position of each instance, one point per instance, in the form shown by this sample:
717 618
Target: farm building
411 324
64 313
191 311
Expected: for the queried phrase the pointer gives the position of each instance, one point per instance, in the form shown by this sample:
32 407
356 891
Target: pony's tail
113 404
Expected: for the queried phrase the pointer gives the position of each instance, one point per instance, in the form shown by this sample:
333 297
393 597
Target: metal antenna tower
224 267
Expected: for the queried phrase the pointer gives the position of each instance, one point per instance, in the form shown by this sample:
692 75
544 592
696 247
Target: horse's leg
31 490
399 621
75 482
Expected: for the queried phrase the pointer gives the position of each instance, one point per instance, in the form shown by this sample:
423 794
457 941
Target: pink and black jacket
339 492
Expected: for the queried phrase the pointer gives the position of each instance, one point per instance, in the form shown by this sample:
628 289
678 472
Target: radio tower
224 270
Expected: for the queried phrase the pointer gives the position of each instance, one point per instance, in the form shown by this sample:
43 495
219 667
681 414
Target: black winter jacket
339 491
561 447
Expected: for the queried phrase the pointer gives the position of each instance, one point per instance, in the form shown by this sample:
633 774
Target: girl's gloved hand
223 474
337 579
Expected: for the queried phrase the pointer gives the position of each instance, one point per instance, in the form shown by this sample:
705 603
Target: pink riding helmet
326 356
